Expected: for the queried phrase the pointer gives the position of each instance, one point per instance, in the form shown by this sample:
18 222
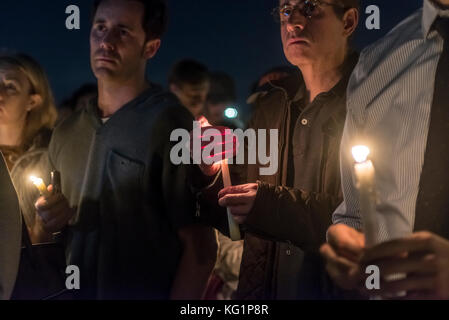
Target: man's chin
299 55
196 111
104 72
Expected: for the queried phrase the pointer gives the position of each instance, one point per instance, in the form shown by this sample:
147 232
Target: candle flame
204 122
360 153
36 180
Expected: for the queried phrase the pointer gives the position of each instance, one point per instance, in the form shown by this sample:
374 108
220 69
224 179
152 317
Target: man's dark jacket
285 219
131 199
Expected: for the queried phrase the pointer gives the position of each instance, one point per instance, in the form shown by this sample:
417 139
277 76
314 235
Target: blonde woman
10 233
27 116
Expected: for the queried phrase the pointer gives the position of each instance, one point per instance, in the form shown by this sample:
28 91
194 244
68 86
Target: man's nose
296 21
109 40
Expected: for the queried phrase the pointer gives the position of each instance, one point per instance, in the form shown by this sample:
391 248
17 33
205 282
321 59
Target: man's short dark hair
155 17
188 71
287 70
72 102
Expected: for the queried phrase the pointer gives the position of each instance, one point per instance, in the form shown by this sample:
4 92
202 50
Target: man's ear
151 48
350 21
35 101
174 88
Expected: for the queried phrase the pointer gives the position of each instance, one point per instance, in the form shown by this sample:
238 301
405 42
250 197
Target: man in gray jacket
10 233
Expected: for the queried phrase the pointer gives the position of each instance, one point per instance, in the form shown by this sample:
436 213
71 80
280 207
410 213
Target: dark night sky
236 36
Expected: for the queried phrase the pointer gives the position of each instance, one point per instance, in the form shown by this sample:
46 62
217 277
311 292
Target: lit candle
365 183
40 185
234 230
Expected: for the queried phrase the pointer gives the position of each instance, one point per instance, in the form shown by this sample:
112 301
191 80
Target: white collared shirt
389 100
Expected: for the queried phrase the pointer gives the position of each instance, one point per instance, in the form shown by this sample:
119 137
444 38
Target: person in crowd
27 117
126 212
285 216
222 95
398 102
189 81
261 84
79 99
225 277
223 284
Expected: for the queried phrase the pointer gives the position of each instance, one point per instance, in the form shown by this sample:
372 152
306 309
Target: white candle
40 185
234 230
365 183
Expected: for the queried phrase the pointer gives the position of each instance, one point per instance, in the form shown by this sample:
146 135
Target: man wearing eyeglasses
286 215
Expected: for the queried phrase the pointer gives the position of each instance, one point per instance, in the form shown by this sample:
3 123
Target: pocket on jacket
125 176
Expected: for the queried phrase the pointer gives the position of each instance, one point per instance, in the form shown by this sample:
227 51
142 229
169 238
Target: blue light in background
231 113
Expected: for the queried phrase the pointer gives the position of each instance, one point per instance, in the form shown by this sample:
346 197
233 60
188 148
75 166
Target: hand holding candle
209 145
240 199
221 145
53 211
233 226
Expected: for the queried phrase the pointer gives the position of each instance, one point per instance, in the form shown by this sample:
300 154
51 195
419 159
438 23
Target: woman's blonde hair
44 115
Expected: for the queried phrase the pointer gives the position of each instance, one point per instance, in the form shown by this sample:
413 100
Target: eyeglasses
308 8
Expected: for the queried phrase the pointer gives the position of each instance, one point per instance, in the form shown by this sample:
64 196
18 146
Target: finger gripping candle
222 157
